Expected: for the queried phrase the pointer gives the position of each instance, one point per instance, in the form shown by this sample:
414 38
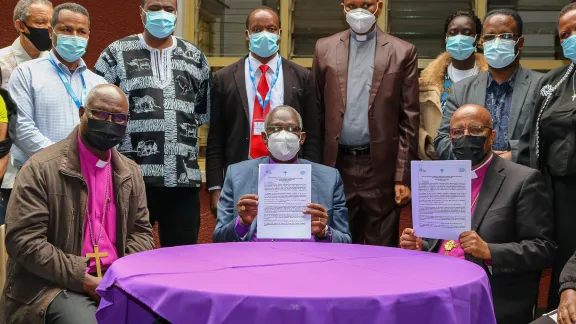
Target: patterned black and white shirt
169 96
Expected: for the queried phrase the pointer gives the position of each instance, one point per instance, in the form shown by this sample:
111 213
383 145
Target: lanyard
264 103
68 86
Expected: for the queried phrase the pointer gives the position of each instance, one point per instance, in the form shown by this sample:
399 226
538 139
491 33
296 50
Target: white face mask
283 145
360 20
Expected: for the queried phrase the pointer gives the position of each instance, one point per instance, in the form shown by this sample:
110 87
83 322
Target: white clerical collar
101 164
273 64
474 176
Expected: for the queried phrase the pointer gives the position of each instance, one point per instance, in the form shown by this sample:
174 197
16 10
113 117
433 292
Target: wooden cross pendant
574 97
97 256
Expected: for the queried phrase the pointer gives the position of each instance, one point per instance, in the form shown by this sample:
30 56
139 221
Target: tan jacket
45 221
431 89
393 106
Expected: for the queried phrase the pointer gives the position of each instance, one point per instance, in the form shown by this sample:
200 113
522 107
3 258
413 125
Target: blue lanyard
68 86
264 103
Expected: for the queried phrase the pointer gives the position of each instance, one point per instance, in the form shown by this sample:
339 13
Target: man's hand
567 308
247 209
89 286
506 155
319 219
431 152
472 244
410 241
214 197
403 194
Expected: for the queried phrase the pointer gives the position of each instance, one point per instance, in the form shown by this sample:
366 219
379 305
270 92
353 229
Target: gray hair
74 7
22 9
283 108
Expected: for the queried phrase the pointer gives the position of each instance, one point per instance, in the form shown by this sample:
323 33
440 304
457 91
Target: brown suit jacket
45 221
394 108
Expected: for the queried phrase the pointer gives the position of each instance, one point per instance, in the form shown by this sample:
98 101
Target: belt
354 150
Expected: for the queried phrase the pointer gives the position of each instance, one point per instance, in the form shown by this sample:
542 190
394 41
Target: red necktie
257 147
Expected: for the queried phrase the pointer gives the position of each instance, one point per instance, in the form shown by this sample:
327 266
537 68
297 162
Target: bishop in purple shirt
238 205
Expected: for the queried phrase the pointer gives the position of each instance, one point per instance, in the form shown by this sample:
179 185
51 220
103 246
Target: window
222 25
422 22
540 19
313 20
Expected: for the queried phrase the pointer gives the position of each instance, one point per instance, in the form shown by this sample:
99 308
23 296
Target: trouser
372 212
177 211
71 308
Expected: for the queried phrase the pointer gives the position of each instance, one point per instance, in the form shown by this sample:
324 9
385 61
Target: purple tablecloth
294 283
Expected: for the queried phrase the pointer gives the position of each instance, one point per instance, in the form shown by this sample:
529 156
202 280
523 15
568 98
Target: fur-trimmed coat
431 88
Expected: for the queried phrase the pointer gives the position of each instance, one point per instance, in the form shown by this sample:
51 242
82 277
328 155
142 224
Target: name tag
258 127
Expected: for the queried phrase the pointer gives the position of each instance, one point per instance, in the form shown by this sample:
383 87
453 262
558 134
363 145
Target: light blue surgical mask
71 48
500 53
460 47
160 23
264 44
569 46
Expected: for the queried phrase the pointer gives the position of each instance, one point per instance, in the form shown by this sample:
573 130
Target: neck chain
451 69
106 203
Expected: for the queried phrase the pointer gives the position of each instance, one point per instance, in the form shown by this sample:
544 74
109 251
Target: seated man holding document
511 226
281 197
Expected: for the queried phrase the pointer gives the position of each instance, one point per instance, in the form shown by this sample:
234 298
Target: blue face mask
460 47
500 53
71 48
264 44
569 46
160 23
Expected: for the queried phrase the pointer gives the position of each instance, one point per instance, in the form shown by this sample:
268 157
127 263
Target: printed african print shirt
169 96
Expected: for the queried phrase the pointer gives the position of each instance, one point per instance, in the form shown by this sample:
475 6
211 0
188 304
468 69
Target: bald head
107 97
471 114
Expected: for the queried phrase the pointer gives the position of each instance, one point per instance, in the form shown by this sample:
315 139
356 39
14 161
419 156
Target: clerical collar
362 38
481 169
272 161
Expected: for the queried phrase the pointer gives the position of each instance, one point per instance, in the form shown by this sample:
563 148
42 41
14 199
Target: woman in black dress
549 144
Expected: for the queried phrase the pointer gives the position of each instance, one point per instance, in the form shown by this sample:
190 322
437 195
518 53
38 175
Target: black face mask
469 148
103 135
40 38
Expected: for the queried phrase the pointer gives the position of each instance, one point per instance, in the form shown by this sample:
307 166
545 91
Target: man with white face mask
238 204
167 81
367 85
506 89
245 92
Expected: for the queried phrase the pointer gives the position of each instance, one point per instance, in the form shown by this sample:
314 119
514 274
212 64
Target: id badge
258 127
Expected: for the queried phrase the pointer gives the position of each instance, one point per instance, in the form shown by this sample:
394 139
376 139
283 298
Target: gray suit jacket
514 216
242 179
473 91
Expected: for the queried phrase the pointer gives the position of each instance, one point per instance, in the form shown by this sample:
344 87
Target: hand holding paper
247 209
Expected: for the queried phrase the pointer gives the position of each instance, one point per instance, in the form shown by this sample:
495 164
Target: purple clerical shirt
478 176
95 172
242 230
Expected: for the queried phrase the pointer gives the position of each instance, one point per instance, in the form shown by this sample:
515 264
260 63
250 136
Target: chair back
3 257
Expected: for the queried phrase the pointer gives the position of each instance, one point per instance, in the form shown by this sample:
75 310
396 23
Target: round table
294 283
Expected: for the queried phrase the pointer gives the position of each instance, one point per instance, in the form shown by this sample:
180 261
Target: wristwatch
326 232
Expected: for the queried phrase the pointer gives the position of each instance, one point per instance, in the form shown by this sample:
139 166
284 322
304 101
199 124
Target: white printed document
441 190
284 190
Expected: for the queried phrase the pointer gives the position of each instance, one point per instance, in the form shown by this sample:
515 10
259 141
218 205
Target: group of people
90 159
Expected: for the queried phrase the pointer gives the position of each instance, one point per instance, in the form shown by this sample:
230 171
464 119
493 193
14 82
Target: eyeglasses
278 129
472 130
118 118
491 37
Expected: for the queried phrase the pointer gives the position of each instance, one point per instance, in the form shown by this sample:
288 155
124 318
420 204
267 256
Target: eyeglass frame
499 36
467 129
285 128
109 115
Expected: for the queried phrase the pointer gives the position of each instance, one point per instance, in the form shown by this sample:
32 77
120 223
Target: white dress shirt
277 97
46 112
10 58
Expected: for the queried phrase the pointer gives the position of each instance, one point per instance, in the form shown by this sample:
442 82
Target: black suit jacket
229 135
514 216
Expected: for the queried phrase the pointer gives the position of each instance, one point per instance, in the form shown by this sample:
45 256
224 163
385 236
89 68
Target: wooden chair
3 257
